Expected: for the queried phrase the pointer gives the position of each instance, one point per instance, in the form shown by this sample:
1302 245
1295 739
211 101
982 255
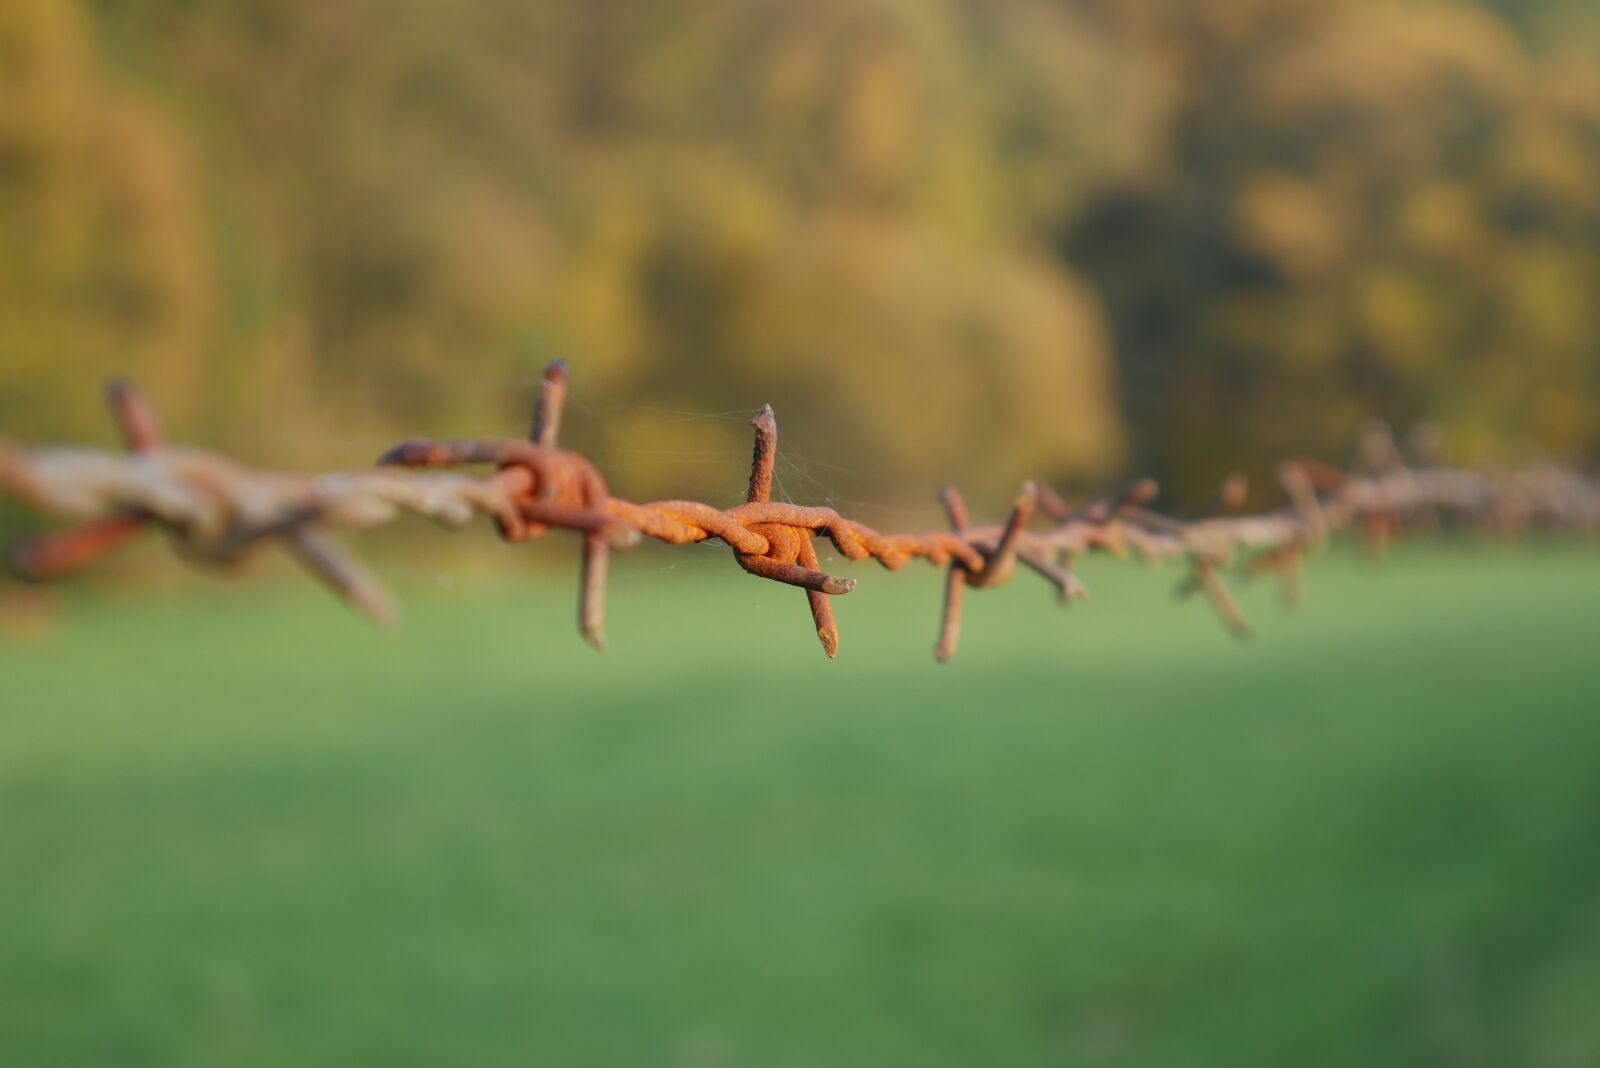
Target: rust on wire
217 512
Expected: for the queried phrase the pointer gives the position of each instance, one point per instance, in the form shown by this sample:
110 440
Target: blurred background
965 240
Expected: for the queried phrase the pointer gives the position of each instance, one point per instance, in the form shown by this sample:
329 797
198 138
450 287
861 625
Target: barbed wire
217 511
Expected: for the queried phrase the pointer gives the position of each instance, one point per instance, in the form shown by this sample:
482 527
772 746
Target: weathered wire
217 511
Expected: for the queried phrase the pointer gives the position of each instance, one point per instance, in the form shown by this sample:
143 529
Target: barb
217 512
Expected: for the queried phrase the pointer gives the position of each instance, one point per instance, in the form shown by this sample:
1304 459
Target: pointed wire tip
1143 491
1137 495
122 395
1071 591
1314 473
117 387
836 585
376 606
1052 502
955 509
134 416
22 566
596 639
1377 444
556 368
830 641
54 555
1234 490
401 455
765 419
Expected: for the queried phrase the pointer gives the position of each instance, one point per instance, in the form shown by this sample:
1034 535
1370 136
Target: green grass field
239 828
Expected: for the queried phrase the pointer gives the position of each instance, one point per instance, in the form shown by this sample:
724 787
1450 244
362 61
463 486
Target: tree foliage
964 238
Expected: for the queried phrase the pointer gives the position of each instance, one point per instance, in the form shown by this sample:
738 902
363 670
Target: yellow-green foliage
953 239
104 258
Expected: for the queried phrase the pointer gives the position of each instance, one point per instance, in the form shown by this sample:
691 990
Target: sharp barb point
214 509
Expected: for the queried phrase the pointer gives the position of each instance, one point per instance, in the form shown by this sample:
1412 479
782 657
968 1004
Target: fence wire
217 511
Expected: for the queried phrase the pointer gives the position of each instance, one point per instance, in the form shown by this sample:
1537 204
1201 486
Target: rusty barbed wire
217 512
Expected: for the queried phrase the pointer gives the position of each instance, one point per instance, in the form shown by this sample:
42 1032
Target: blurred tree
1372 208
902 218
103 252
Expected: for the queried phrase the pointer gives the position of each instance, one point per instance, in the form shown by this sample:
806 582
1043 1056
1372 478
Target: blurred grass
240 829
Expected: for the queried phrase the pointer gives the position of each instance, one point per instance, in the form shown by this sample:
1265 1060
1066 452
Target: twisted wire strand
217 511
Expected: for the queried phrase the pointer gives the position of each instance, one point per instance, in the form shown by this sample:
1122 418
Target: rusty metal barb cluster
217 512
